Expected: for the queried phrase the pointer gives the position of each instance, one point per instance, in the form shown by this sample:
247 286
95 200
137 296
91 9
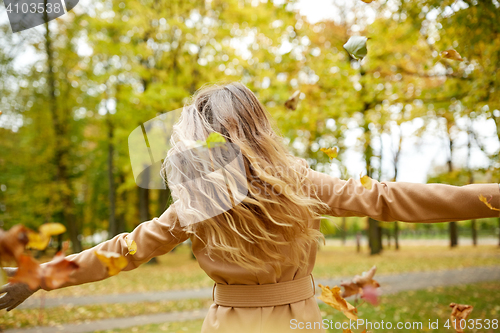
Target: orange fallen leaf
114 262
452 54
487 202
330 152
331 296
13 242
366 182
132 246
459 312
58 271
293 101
28 272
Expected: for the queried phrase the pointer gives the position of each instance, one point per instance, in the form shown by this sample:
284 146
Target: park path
390 284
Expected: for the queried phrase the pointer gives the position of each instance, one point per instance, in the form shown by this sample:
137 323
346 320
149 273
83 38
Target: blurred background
72 91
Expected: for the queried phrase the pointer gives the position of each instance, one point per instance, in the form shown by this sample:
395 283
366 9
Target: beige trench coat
386 201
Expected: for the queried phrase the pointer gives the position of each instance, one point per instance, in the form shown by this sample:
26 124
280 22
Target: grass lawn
178 271
411 306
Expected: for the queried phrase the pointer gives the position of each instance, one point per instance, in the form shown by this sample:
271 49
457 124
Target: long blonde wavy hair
253 232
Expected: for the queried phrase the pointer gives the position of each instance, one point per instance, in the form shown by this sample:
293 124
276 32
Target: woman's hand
13 294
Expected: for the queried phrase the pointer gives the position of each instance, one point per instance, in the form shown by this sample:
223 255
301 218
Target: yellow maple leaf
366 182
114 262
331 152
52 229
487 203
452 54
37 241
40 240
331 296
132 246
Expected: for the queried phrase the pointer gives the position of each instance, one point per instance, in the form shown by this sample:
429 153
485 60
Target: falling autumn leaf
366 278
37 241
366 182
370 294
364 285
40 240
132 246
292 102
331 296
28 272
13 242
452 54
331 152
114 262
487 202
459 312
56 272
356 47
52 229
215 139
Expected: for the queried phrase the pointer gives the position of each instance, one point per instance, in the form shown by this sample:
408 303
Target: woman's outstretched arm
407 202
153 238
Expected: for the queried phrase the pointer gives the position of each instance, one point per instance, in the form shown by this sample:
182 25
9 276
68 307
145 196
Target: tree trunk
453 228
61 153
374 236
396 235
112 227
343 231
474 232
120 220
453 234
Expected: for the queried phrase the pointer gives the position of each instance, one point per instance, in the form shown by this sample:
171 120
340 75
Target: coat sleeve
407 202
153 238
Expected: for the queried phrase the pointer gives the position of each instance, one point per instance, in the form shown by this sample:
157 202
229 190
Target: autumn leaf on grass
452 54
292 102
56 272
331 296
132 246
13 242
28 272
356 47
114 262
331 152
366 182
40 240
459 312
487 202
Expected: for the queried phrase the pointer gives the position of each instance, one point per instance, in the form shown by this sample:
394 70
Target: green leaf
215 140
356 46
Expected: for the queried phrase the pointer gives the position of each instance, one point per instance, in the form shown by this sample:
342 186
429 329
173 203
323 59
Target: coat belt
262 295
